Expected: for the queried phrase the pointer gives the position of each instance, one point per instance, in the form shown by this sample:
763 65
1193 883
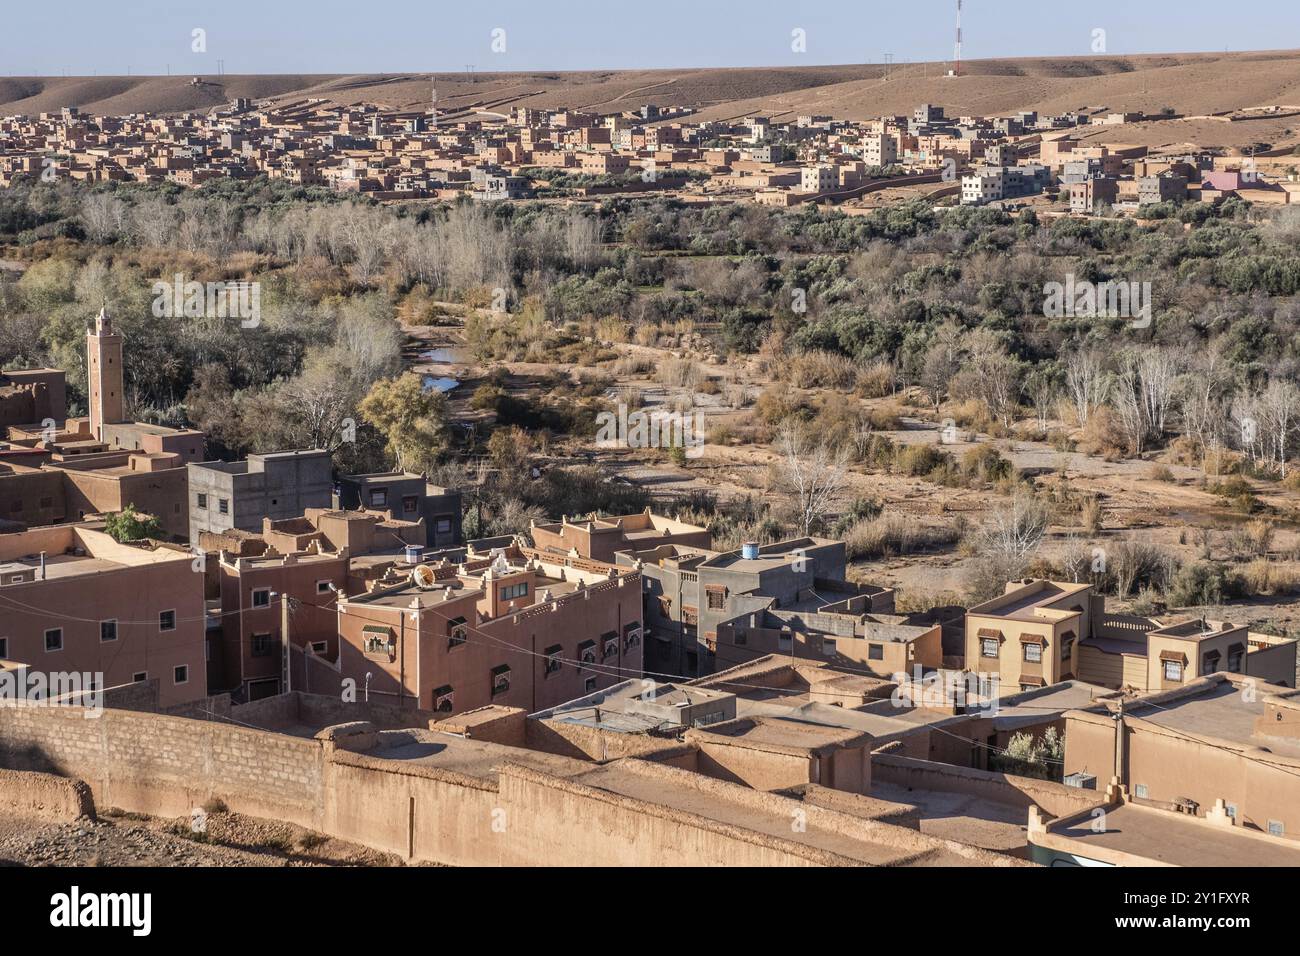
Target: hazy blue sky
331 36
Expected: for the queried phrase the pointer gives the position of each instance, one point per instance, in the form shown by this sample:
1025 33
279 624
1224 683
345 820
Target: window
441 525
1140 791
553 662
875 652
320 647
1067 644
828 646
457 632
1210 662
444 699
409 504
589 685
631 635
1231 810
107 631
4 648
54 639
587 652
989 647
690 615
262 645
500 679
1275 828
512 591
739 637
1033 653
1173 670
783 640
717 598
203 501
181 674
223 506
262 597
139 676
378 497
166 620
1235 654
324 587
609 644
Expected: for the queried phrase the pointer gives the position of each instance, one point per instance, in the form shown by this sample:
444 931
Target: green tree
411 419
131 525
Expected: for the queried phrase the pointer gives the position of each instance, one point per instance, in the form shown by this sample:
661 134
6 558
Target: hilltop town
386 155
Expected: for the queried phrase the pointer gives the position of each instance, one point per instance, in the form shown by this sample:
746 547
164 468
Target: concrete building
822 178
1224 748
1089 195
74 600
1163 188
1039 632
239 494
601 539
692 592
408 497
504 629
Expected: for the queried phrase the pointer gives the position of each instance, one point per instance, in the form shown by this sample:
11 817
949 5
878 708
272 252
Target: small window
166 620
1275 828
589 685
875 652
444 699
1033 653
203 501
262 645
784 639
828 646
323 587
457 632
500 679
378 497
107 631
1140 791
1173 670
181 674
54 639
4 648
262 597
320 647
139 676
1231 810
989 647
223 506
512 591
409 504
442 526
553 662
717 599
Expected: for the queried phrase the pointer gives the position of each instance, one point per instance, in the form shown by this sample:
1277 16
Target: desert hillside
1193 83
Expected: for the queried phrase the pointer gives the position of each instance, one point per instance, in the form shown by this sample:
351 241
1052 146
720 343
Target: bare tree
813 471
1087 383
1015 529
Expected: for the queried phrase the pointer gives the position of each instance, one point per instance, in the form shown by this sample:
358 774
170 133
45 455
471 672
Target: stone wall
1055 798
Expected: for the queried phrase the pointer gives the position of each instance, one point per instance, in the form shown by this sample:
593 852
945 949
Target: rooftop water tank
749 550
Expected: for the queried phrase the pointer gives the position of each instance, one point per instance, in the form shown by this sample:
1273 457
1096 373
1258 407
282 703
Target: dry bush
821 370
1262 576
1104 436
1158 472
1091 514
875 380
680 372
885 417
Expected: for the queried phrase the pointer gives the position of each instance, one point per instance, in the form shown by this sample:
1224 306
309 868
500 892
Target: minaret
104 374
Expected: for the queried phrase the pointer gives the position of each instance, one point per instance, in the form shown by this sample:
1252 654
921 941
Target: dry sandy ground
137 840
1192 83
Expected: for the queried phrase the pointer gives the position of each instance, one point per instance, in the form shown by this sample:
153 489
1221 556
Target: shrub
1204 582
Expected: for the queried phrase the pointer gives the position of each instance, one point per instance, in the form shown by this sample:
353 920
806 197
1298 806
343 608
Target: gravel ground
118 839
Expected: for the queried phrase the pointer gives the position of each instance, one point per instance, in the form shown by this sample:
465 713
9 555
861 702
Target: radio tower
956 50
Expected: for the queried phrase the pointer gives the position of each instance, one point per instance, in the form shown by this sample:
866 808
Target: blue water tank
749 550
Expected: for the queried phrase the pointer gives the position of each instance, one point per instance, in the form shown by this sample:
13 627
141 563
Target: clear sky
51 37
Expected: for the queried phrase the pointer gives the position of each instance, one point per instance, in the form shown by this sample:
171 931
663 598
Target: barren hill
1191 83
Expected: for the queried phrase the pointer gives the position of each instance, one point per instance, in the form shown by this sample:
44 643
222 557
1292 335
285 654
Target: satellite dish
423 577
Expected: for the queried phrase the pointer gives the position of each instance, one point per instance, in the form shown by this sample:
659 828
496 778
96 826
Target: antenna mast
956 52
